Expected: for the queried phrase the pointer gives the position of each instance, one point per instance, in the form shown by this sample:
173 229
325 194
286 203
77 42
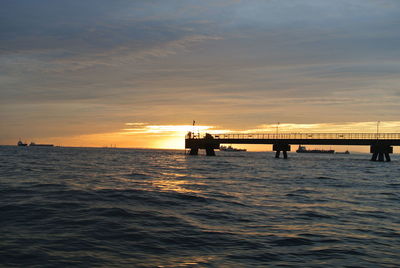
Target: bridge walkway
381 144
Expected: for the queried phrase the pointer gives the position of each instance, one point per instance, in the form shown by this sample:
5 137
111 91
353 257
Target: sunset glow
136 74
200 133
144 135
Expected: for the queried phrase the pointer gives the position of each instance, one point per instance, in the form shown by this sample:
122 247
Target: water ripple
88 207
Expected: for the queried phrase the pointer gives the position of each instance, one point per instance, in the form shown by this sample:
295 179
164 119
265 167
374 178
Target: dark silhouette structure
381 145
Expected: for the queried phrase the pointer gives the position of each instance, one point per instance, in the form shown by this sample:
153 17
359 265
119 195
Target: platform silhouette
381 144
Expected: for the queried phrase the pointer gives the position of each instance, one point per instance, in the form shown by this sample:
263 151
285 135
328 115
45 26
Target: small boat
303 149
20 143
231 149
41 145
345 152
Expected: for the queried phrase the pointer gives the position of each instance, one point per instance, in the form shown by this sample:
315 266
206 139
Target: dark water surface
81 207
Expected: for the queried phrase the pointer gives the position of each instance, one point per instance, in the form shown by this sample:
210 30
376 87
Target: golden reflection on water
171 182
178 186
168 182
187 261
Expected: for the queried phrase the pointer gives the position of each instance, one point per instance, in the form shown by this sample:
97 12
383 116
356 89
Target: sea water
94 207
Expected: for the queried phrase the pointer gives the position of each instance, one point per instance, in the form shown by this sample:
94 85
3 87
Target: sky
137 73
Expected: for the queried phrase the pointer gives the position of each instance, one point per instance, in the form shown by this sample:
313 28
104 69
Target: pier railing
302 136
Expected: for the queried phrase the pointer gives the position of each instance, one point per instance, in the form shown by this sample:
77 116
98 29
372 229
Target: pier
381 145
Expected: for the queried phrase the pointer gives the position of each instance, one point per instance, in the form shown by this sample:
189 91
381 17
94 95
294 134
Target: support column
210 152
380 151
210 144
194 151
278 147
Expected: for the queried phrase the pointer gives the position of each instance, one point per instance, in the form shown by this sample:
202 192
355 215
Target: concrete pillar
210 152
194 151
380 151
278 147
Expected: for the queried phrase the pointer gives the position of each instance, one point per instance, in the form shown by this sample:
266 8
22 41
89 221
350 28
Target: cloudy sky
137 73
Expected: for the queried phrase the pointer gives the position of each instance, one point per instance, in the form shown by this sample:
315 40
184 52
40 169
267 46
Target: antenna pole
377 129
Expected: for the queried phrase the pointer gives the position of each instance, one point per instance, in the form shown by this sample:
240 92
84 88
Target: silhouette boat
41 145
303 149
231 149
20 143
345 152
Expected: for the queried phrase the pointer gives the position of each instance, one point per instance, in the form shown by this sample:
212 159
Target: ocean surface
95 207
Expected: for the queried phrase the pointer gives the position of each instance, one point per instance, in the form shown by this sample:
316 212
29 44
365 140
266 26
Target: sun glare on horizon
146 135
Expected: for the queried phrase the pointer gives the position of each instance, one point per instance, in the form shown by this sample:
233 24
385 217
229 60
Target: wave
149 208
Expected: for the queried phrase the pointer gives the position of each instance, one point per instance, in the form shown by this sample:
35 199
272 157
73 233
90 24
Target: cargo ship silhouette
303 149
41 145
231 149
20 143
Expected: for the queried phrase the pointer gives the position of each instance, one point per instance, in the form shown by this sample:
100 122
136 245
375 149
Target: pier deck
380 144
